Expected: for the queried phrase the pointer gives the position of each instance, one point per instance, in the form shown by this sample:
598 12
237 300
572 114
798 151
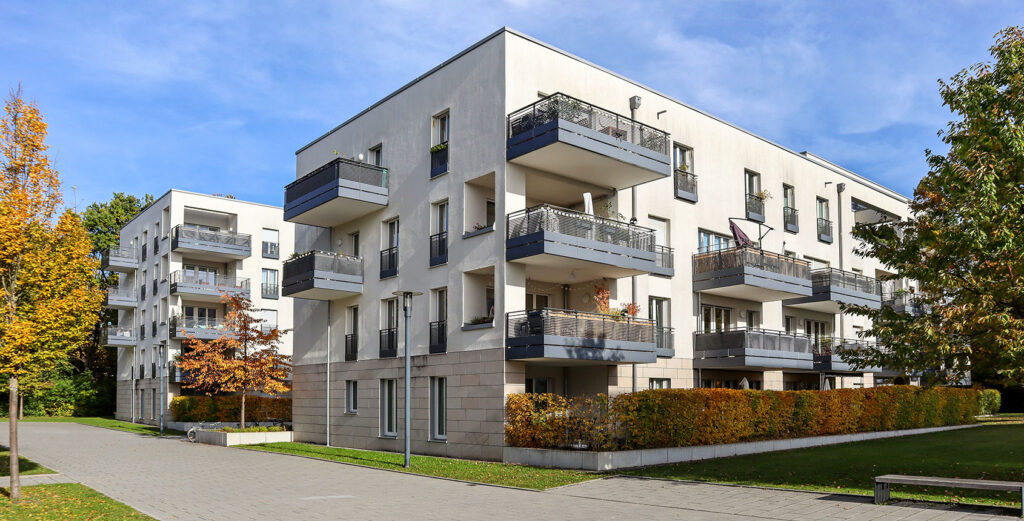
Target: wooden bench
882 484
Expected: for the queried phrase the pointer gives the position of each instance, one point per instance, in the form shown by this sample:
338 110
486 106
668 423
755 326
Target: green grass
988 452
478 471
25 466
65 501
106 423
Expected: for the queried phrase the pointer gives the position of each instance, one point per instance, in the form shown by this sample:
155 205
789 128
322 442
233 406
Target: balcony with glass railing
569 335
755 207
901 299
207 287
578 140
824 230
319 275
686 185
553 241
791 219
117 336
183 327
752 348
120 298
123 259
210 244
831 288
336 193
751 274
829 354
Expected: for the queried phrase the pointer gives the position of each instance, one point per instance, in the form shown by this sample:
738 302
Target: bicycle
194 432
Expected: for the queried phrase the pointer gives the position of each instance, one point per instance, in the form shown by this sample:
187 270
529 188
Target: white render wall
164 214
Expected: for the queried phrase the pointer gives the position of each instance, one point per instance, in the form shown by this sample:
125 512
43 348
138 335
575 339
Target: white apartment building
515 185
176 258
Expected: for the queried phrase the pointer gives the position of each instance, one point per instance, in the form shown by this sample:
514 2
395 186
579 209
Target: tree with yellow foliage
48 296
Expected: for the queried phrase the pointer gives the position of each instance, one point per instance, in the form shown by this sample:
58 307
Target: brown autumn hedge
227 408
683 417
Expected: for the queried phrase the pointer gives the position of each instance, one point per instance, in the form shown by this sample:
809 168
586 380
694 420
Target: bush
990 401
228 408
683 417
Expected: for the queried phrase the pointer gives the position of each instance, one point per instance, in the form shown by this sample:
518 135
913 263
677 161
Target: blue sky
143 96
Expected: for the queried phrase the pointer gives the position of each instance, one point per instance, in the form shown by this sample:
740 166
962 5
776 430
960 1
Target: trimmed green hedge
228 408
683 417
990 401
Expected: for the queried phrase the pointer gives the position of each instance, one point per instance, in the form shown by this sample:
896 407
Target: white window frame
351 396
438 408
442 127
389 408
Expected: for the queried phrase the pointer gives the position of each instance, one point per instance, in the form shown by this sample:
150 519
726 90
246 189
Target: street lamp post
407 308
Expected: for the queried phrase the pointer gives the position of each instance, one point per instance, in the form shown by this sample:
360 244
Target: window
538 385
823 209
659 311
353 239
660 226
711 241
441 128
438 408
536 301
201 227
790 325
489 213
389 314
152 412
270 244
440 220
389 407
377 155
489 297
858 331
269 288
816 330
142 402
440 304
391 234
788 199
753 183
200 317
351 396
716 319
200 274
682 158
269 318
753 319
660 383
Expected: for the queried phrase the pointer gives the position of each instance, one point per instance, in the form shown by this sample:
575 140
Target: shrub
682 417
227 408
990 401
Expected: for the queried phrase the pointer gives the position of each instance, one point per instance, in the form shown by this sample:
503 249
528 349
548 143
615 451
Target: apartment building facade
176 259
531 195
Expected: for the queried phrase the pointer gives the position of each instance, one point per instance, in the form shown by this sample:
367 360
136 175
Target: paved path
171 479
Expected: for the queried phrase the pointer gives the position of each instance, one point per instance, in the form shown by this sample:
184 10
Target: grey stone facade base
612 460
228 439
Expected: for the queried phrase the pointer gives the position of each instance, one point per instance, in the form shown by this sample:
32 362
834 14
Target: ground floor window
155 406
660 383
799 386
439 408
389 407
538 385
142 403
351 396
731 383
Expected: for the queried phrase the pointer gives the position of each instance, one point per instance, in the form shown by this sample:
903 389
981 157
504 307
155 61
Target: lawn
27 467
65 501
467 470
106 423
993 451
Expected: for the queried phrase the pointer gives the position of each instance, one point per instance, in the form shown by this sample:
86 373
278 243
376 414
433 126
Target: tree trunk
12 414
242 423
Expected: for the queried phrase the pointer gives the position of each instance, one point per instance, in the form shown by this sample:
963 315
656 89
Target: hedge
682 417
990 401
228 408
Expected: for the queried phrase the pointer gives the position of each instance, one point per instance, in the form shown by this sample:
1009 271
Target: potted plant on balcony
438 147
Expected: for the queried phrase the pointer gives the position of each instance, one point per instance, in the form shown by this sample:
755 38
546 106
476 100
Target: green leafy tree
964 244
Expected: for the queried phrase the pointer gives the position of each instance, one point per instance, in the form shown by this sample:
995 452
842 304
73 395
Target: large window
271 240
440 223
817 330
659 312
269 287
391 234
200 317
438 408
660 383
823 209
351 396
269 318
753 180
538 385
682 158
716 319
661 230
441 128
377 155
353 240
200 274
788 197
389 407
536 301
711 241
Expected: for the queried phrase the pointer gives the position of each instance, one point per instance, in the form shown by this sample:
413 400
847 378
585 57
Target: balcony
121 259
206 287
831 288
439 159
824 230
116 336
572 138
183 328
755 208
579 337
351 347
335 193
664 340
388 342
389 262
553 241
439 248
269 290
207 244
791 219
901 300
752 348
271 250
439 336
827 354
120 298
751 274
686 185
319 275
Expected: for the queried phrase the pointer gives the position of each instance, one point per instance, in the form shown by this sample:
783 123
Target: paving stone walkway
171 479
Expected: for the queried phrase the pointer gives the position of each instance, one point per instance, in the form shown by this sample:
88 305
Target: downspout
163 384
132 376
327 439
634 103
840 188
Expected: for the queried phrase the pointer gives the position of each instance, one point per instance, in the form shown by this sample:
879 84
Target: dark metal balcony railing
439 159
338 168
746 257
142 292
208 279
144 252
790 216
664 338
561 106
754 338
153 328
578 324
550 218
389 262
845 279
351 347
663 257
755 204
901 298
268 290
142 371
270 250
142 332
686 181
389 342
439 336
824 227
156 245
156 287
219 237
152 369
439 248
322 261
